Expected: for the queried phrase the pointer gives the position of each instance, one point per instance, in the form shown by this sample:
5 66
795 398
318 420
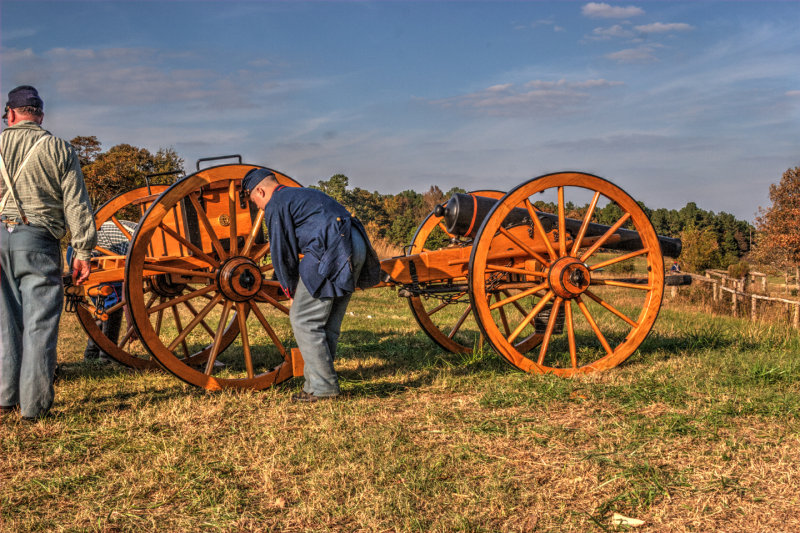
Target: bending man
337 258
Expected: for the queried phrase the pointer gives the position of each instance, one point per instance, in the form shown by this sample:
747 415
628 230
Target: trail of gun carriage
483 379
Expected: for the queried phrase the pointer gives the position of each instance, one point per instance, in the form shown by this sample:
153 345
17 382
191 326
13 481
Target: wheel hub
164 286
569 277
239 279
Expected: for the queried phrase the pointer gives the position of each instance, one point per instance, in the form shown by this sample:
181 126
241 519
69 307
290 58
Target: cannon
542 283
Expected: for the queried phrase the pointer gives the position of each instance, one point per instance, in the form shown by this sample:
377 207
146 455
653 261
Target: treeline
710 240
719 238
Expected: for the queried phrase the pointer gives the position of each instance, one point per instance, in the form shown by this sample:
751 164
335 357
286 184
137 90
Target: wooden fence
724 288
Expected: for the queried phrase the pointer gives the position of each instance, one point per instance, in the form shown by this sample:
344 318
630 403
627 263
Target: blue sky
673 101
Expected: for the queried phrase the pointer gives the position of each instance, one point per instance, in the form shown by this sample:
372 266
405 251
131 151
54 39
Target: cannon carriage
542 283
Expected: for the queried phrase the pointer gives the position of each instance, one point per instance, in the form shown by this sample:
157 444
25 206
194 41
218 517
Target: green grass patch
698 431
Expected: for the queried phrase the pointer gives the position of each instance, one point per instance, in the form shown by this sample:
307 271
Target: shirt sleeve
78 209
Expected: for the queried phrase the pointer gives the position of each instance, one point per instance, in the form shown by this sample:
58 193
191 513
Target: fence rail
718 282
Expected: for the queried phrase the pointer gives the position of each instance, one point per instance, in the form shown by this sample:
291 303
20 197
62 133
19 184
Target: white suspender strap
11 192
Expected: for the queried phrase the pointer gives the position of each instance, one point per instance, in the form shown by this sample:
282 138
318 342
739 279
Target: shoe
307 397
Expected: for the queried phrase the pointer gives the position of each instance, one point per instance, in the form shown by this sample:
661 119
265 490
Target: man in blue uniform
337 258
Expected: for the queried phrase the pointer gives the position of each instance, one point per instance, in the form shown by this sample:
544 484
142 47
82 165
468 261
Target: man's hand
80 270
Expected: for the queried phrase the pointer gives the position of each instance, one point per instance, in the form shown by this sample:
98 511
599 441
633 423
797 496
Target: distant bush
738 270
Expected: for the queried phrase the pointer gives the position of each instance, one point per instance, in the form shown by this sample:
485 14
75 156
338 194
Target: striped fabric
50 186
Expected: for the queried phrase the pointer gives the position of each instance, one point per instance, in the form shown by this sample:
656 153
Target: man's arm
78 209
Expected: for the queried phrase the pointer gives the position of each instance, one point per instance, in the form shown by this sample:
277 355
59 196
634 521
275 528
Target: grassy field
698 431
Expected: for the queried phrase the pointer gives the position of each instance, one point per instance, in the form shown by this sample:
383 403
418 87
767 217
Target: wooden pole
734 307
753 308
796 317
714 291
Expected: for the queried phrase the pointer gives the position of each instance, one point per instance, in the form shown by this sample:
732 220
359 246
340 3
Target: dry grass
698 431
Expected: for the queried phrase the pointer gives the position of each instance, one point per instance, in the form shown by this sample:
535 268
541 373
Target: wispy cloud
536 96
616 31
641 54
606 11
547 23
662 27
137 76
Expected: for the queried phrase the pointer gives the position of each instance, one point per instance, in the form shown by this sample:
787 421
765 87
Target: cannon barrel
464 213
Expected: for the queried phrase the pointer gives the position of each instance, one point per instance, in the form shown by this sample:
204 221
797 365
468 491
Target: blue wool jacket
311 223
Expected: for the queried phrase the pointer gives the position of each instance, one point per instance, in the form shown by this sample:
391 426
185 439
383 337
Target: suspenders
10 191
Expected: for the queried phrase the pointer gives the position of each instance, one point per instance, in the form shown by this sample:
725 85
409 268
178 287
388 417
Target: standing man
337 258
43 194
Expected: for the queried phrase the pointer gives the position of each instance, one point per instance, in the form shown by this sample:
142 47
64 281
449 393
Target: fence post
734 307
714 291
753 308
764 284
796 317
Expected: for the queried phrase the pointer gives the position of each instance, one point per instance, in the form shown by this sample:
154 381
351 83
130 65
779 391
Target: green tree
700 248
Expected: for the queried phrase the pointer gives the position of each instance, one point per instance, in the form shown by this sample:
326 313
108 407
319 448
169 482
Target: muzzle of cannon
463 215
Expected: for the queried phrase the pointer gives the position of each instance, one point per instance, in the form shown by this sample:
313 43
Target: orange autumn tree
122 168
779 231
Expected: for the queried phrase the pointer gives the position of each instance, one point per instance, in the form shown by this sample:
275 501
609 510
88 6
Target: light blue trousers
316 323
31 298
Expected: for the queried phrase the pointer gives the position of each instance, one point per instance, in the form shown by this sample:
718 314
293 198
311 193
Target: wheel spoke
503 318
242 318
234 235
540 229
562 233
274 302
264 250
185 272
601 241
460 321
512 270
573 353
183 298
159 318
593 325
251 237
518 296
524 247
223 319
127 337
442 227
116 307
585 225
619 259
522 311
203 218
197 251
611 308
194 312
177 317
548 332
198 317
122 228
261 318
535 311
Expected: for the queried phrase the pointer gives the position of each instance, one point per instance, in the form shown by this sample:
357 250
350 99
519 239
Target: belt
10 222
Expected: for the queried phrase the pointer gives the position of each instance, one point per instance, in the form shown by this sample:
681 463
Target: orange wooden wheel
593 304
448 319
120 212
211 262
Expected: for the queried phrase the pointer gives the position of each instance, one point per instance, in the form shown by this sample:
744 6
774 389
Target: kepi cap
253 178
23 96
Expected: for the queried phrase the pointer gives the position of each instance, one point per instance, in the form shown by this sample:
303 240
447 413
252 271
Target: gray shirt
50 187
